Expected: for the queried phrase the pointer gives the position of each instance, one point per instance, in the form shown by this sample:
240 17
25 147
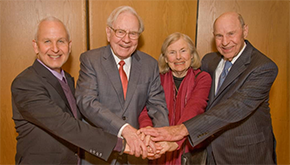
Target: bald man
44 110
237 123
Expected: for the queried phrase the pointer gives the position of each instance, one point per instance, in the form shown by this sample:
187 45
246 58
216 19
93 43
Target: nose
178 55
54 47
225 41
126 38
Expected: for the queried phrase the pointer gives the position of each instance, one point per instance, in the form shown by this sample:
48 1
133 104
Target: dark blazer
100 96
48 132
237 121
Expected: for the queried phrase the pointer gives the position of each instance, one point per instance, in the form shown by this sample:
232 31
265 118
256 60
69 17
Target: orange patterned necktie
123 77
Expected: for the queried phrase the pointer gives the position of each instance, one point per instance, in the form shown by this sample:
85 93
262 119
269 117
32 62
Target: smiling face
229 35
52 46
123 47
178 57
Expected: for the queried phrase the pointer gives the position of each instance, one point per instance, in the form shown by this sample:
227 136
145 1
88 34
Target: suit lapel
51 79
238 68
212 67
109 65
134 78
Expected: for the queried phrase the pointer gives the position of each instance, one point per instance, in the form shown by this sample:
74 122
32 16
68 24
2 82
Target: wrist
183 130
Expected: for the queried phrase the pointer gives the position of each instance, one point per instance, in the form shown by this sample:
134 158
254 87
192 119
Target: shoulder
210 56
201 75
96 53
144 56
256 57
259 57
256 60
25 78
145 59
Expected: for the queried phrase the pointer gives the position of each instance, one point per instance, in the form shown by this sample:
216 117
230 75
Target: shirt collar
239 54
55 73
117 60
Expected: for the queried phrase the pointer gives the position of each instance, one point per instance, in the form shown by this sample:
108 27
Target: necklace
176 90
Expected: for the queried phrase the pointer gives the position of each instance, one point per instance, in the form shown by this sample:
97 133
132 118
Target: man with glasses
117 81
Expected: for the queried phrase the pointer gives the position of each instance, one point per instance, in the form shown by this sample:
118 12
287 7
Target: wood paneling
18 24
160 18
269 32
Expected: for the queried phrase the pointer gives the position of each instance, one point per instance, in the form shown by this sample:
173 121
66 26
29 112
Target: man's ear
245 31
108 31
70 46
35 46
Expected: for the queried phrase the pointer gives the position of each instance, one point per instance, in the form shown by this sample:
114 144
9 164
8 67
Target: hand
127 149
165 147
172 133
135 144
147 141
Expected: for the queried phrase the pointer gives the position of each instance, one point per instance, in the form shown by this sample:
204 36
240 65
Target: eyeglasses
120 33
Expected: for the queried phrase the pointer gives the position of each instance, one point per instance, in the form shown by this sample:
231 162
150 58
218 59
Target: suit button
124 117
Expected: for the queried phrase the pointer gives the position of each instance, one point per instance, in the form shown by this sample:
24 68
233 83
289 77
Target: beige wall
18 21
269 32
20 17
160 18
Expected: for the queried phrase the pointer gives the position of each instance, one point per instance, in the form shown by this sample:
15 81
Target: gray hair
195 60
114 15
242 22
52 19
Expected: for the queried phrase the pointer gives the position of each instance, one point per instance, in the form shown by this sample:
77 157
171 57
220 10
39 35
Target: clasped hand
139 143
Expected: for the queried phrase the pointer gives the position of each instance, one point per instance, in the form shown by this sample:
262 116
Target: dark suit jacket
238 121
99 91
48 132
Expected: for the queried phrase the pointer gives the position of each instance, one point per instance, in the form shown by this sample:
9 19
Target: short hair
52 19
242 22
195 60
114 15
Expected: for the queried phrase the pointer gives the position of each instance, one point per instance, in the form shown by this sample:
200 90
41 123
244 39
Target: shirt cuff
121 130
119 145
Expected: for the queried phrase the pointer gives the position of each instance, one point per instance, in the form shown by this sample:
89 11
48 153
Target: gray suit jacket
48 132
99 91
237 122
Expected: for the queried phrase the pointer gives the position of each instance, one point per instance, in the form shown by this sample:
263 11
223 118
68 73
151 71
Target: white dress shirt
221 65
127 68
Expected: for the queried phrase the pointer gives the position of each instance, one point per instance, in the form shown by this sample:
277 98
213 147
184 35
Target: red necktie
123 77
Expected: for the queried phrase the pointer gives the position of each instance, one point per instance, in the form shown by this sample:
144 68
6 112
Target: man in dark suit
44 110
237 123
109 103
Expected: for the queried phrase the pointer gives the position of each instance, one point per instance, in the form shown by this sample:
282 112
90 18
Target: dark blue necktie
223 75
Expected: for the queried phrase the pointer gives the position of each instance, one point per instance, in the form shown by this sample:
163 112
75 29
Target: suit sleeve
235 107
156 104
39 104
144 120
